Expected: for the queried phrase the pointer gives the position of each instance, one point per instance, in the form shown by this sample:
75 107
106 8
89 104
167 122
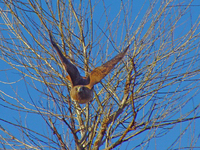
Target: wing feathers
69 67
100 72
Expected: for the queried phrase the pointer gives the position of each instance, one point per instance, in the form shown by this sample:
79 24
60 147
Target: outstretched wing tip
71 69
100 72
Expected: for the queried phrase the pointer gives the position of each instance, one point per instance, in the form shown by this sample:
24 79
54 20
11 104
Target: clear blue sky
8 75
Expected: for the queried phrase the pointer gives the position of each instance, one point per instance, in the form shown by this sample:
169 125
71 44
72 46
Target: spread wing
100 72
69 67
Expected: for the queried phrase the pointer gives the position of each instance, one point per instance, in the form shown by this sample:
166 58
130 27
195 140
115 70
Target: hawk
82 87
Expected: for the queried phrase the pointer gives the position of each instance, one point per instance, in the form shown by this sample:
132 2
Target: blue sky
29 95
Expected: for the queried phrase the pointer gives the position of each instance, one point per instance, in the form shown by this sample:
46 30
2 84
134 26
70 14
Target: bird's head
81 94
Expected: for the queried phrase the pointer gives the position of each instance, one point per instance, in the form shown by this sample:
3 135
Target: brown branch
130 128
58 135
79 146
104 126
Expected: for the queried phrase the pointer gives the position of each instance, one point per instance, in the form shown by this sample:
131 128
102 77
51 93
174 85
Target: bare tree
147 95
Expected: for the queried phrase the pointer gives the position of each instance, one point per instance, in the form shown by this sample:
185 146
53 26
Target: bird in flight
82 88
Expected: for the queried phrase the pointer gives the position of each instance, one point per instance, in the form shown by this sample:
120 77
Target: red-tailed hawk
82 88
